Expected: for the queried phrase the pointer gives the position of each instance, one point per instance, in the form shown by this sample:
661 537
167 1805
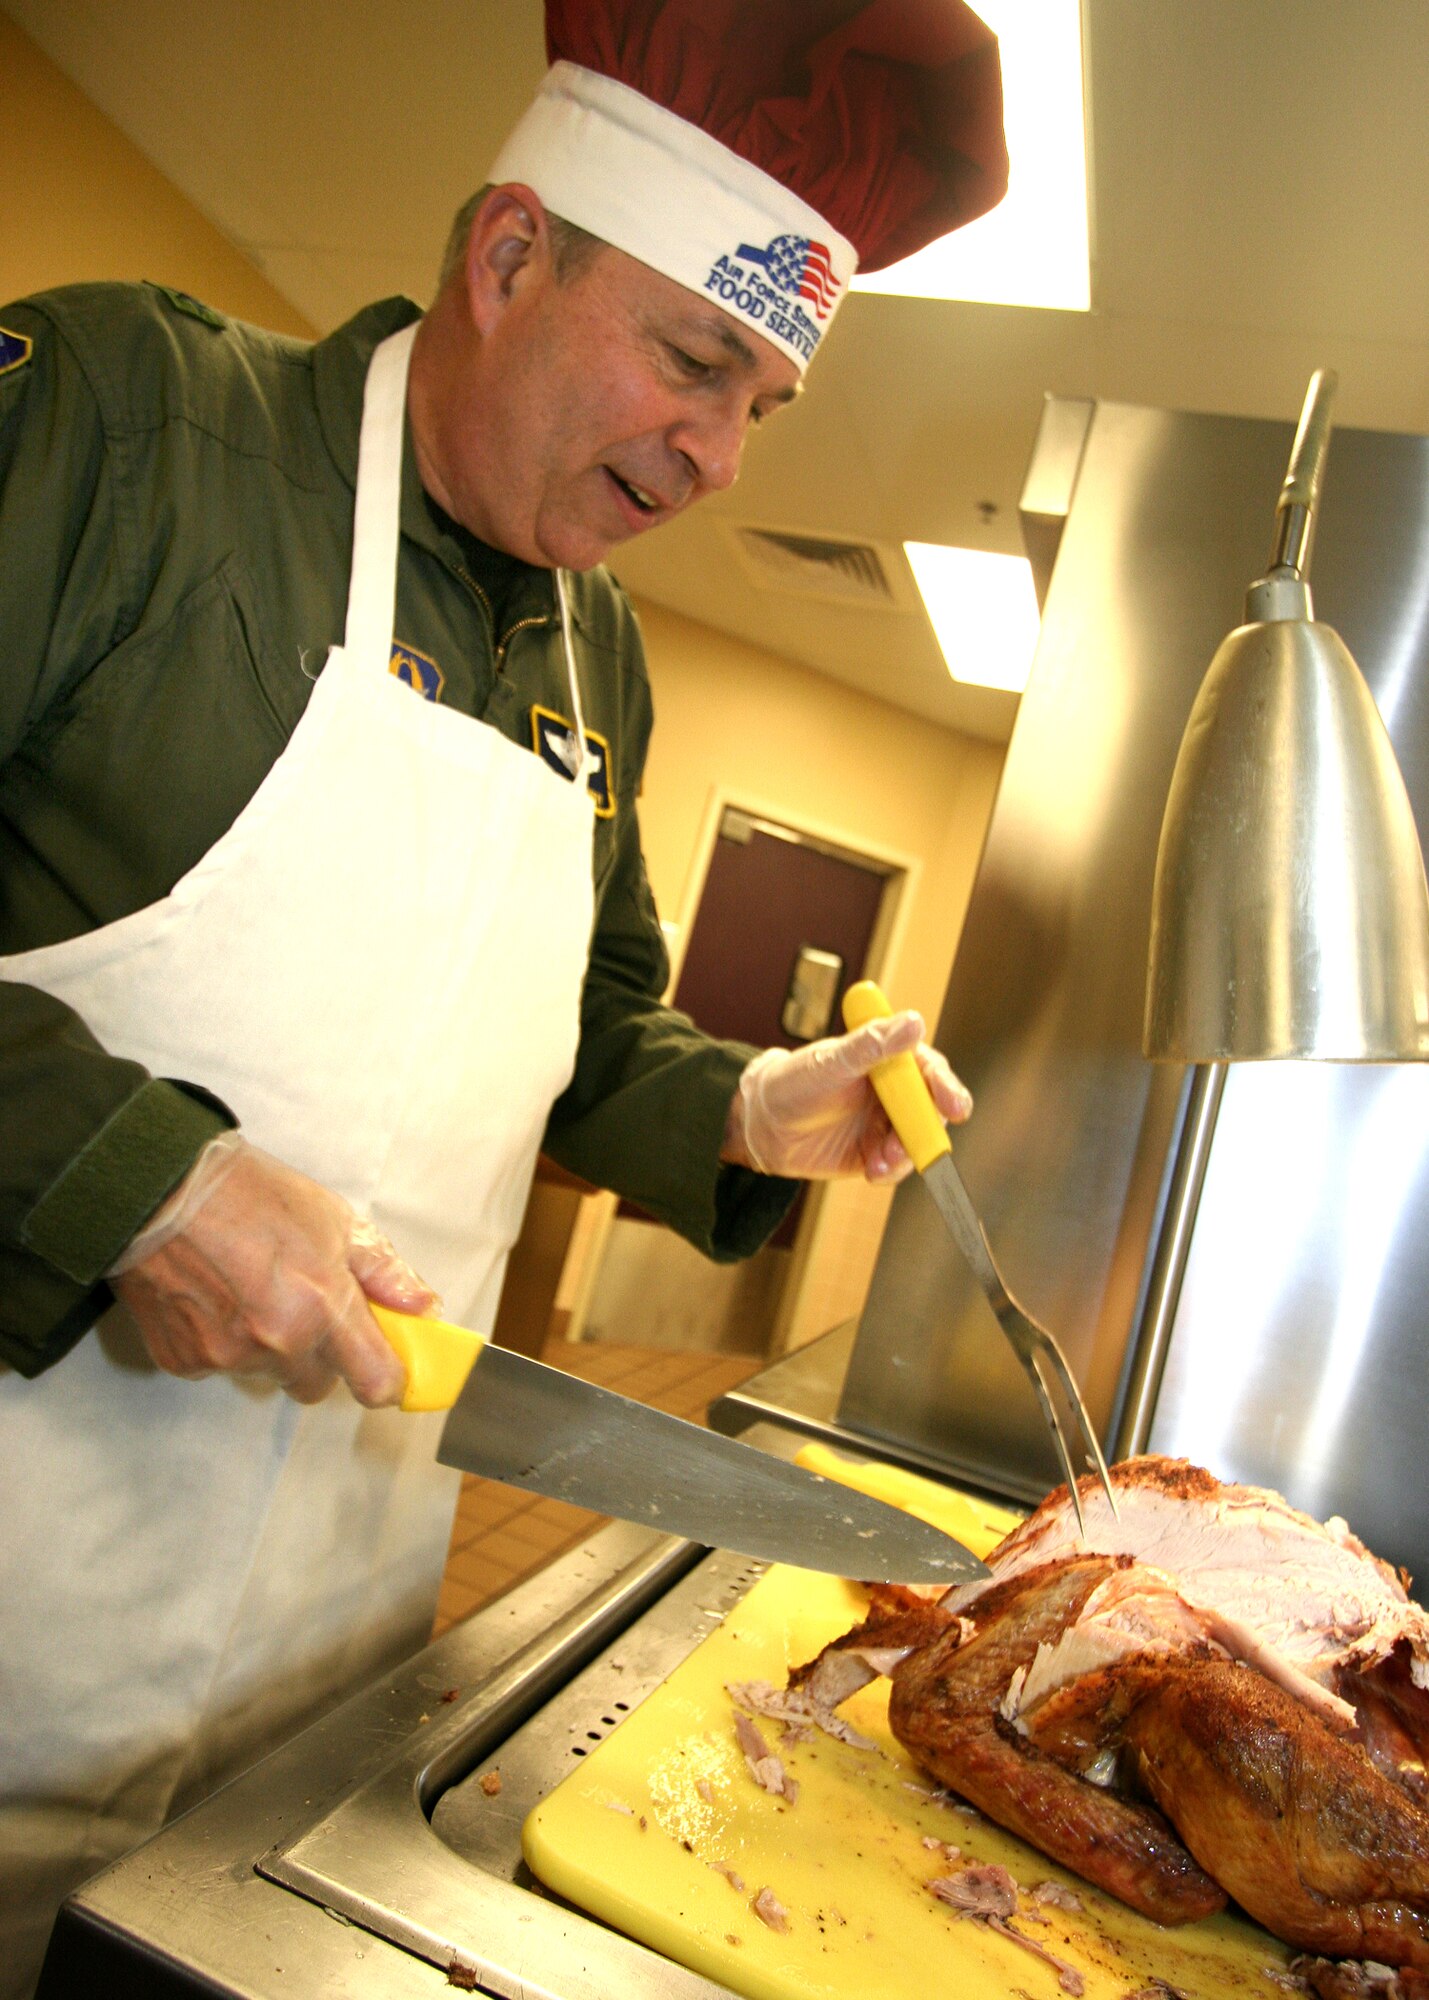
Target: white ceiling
1260 175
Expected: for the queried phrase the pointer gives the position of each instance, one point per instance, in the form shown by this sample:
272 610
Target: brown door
784 924
770 896
775 910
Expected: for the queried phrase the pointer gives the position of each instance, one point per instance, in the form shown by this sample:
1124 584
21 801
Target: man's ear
509 241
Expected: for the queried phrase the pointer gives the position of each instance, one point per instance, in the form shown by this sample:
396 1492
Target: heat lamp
1289 915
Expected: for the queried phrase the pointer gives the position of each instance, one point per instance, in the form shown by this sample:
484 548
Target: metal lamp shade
1289 915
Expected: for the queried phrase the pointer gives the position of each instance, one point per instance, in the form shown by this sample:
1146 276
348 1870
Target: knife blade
532 1426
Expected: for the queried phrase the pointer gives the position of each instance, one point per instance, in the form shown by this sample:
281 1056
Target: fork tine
1048 1347
1031 1361
1102 1473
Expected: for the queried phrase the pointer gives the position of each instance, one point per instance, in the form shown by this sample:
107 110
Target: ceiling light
1032 250
983 610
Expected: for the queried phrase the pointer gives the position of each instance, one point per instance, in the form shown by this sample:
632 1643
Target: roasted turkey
1214 1696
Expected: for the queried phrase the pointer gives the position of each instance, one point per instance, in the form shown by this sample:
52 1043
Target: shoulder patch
553 739
183 302
15 350
418 670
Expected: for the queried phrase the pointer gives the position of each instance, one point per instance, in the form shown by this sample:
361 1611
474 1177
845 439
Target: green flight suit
176 495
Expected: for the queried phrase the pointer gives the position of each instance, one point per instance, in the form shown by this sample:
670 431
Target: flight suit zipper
521 625
499 646
465 576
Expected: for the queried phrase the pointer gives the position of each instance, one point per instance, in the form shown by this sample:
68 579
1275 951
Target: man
299 966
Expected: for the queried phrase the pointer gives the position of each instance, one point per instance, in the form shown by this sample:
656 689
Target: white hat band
615 163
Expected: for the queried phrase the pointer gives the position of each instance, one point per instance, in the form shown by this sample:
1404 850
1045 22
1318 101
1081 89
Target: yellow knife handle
899 1083
437 1356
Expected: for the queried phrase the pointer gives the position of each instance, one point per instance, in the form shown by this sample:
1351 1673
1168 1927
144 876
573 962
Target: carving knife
532 1426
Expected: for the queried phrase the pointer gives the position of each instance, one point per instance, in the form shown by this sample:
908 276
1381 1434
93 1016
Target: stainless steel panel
1299 1357
800 1395
1068 1153
800 1391
1167 1268
1051 480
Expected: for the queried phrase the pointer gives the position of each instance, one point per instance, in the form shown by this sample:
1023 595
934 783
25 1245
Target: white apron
378 967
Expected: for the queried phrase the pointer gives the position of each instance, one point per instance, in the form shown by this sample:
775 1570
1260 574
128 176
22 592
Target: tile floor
502 1534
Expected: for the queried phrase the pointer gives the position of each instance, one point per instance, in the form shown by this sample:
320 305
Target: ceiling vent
847 572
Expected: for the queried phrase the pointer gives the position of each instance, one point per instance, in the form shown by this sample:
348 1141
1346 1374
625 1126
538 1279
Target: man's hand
812 1113
252 1269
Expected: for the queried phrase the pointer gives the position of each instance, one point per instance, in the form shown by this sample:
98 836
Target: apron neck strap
563 603
372 586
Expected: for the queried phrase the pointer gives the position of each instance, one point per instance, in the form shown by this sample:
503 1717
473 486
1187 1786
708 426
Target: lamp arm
1295 509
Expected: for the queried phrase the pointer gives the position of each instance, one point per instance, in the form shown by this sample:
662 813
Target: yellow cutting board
632 1837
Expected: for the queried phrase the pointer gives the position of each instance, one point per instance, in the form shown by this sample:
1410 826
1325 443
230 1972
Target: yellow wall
770 732
83 202
775 735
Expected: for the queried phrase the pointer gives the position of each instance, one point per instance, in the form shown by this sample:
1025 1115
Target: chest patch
15 350
418 670
553 739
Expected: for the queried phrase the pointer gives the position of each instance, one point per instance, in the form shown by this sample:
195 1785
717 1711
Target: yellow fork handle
899 1083
437 1356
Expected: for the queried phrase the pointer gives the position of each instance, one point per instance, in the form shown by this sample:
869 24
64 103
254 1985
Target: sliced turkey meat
1310 1595
1216 1696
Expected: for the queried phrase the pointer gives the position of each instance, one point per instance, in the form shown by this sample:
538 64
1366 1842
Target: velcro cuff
110 1189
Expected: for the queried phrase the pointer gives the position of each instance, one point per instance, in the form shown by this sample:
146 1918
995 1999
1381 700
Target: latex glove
812 1114
250 1268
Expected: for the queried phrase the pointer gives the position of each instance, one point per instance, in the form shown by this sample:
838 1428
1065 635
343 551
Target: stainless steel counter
364 1857
803 1393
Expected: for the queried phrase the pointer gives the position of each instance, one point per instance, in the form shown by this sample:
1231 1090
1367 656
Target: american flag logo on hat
799 265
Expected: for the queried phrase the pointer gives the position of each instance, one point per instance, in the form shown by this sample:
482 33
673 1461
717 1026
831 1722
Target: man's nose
713 444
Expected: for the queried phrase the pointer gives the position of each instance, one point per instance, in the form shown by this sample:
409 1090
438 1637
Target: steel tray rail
319 1870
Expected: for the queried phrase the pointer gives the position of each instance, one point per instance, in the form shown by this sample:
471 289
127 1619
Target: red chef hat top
758 150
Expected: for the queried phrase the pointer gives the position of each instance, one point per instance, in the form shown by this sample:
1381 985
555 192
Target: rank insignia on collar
553 739
15 350
418 670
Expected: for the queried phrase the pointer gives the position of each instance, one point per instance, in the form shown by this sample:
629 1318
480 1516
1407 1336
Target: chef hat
757 151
